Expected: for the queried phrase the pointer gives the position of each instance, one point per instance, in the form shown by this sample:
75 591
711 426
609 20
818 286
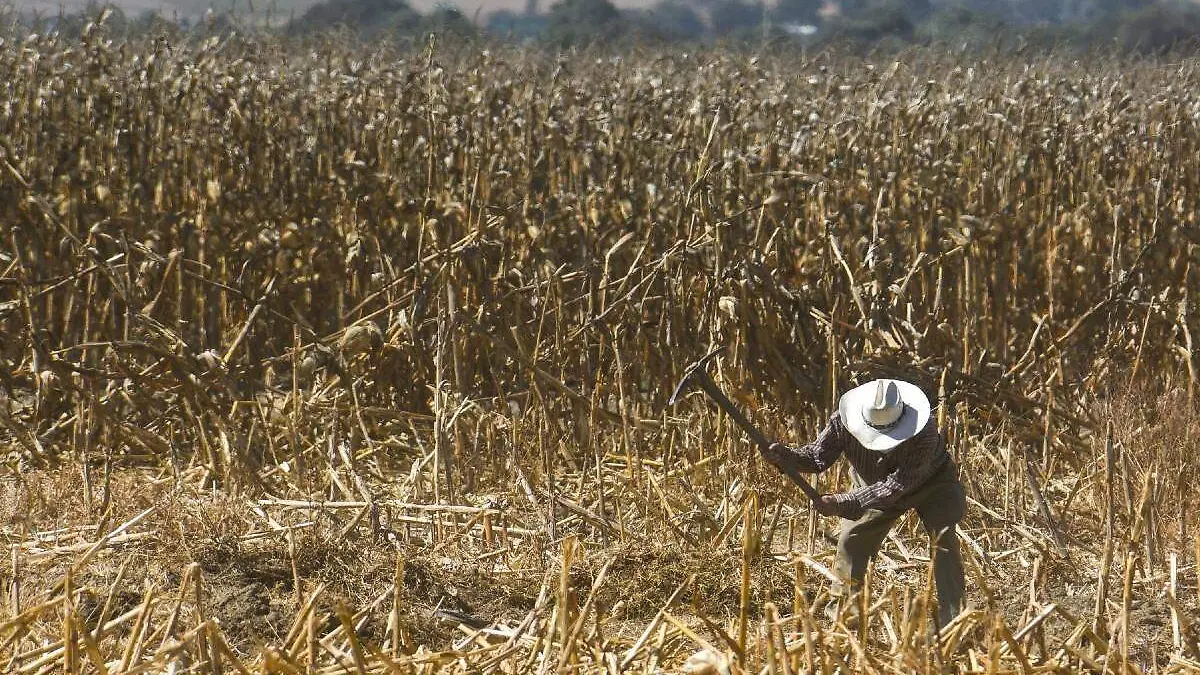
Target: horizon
470 8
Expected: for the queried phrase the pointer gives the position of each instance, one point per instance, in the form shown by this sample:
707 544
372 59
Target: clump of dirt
246 610
250 587
91 605
441 591
643 579
249 591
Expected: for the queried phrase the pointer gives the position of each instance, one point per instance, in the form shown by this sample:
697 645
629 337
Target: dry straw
376 344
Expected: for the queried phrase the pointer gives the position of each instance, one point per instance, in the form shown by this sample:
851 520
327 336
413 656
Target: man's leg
940 512
859 541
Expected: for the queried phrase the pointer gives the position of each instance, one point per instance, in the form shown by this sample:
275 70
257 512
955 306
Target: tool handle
752 431
725 404
802 483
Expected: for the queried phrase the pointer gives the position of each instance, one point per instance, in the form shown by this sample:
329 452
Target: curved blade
688 374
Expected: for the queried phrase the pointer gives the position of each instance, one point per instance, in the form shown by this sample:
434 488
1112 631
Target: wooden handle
714 392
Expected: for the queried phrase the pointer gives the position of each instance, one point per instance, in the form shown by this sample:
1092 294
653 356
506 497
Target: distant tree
798 11
1159 28
507 23
150 23
502 19
915 10
965 25
873 20
728 18
1029 11
576 22
1080 11
449 21
367 17
850 7
673 20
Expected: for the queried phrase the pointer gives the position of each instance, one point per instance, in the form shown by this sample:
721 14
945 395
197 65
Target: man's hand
773 452
827 506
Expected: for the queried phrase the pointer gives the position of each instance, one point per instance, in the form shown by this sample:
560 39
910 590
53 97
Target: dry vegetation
321 360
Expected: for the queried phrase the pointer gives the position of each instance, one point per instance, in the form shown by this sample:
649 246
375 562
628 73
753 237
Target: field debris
318 359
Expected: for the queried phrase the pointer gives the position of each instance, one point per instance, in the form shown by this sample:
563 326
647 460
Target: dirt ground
250 579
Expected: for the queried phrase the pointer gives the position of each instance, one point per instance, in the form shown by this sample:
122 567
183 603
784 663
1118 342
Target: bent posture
884 430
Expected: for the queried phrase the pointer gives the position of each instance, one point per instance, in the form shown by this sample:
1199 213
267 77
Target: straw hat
882 414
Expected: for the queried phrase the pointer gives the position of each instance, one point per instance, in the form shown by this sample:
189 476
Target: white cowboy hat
882 414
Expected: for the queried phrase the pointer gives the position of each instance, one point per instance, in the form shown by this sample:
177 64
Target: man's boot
846 608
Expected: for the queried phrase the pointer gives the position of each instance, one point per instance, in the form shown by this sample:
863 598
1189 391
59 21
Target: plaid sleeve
923 455
814 457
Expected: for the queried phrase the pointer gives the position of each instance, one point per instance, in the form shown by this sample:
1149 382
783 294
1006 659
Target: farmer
900 462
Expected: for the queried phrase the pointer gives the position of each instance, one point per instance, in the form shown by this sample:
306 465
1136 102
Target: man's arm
814 457
921 459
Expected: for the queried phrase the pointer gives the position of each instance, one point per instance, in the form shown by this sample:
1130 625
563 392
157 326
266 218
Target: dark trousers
940 503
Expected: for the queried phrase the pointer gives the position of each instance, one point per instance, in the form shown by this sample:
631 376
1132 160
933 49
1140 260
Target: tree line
1144 26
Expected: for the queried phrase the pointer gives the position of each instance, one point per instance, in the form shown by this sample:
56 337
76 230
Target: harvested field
324 359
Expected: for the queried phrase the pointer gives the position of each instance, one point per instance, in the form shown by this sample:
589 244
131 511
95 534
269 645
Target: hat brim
915 417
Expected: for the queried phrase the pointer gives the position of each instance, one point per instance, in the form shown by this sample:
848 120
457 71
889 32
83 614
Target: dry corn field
324 359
